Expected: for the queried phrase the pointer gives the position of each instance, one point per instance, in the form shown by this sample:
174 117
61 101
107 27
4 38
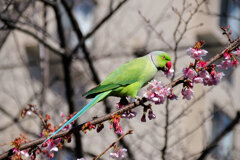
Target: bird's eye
164 57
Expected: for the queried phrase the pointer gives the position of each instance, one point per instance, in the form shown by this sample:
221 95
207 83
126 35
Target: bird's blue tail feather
84 109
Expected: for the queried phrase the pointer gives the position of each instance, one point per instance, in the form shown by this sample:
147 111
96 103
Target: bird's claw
137 98
123 101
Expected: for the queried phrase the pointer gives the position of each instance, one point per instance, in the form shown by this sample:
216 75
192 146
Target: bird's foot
137 98
123 101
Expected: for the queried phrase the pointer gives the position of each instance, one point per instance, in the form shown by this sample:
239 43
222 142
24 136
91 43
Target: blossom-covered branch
231 52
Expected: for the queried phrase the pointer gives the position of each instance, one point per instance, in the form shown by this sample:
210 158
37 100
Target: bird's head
161 60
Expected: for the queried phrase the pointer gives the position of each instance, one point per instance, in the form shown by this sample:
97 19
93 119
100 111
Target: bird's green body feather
128 79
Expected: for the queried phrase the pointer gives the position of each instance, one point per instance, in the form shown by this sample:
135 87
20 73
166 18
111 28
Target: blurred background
52 51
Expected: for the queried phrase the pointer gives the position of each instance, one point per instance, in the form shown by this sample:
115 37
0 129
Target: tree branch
80 37
214 143
230 47
50 47
164 149
128 132
67 63
108 16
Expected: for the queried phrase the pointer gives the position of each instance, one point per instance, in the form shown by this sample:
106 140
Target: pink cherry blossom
226 55
169 73
119 131
172 96
116 125
54 149
15 150
50 148
235 62
198 80
196 53
118 128
237 53
143 119
151 115
189 73
156 92
187 93
118 154
201 64
153 84
25 153
204 74
225 64
128 114
216 78
63 117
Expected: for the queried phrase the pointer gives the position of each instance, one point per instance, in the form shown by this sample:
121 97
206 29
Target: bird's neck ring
158 68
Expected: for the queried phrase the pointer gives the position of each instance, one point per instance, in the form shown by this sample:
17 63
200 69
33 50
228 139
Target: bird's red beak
169 65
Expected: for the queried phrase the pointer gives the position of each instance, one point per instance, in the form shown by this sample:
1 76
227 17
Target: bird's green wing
126 74
99 89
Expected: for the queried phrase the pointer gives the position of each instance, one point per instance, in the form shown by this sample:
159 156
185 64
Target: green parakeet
126 80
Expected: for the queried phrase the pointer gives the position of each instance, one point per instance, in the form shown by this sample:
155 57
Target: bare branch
108 16
214 143
154 29
164 149
128 132
50 47
80 37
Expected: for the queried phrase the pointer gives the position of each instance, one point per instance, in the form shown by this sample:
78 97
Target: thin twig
190 132
46 44
154 29
109 15
228 33
177 40
128 132
164 149
183 112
